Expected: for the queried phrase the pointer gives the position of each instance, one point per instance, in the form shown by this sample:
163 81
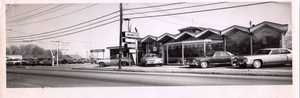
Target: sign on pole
64 45
97 50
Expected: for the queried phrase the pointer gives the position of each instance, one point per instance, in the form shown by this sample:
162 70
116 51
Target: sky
108 35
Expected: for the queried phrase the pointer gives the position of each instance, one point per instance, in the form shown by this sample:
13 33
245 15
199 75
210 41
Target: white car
151 59
114 60
268 56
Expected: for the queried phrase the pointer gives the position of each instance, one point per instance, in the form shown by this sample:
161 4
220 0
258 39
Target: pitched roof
184 33
165 35
75 56
192 27
229 30
65 57
28 57
208 30
149 38
43 56
280 27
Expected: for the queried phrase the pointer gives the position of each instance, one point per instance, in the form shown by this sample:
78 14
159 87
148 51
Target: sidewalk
228 70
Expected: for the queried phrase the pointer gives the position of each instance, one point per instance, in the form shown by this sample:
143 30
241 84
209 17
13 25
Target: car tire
233 63
101 64
203 64
257 64
124 63
160 64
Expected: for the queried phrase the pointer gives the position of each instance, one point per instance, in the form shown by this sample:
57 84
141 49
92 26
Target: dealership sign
64 45
131 35
97 50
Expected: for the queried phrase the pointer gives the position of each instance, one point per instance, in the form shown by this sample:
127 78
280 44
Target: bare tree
14 50
288 40
27 49
36 50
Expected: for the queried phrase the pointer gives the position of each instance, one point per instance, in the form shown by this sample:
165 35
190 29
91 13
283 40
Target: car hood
152 58
194 58
248 56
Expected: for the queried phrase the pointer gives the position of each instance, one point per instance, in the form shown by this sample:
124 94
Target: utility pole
57 51
120 43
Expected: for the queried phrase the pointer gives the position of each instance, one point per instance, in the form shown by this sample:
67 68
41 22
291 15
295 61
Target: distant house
43 57
65 57
28 57
14 57
76 57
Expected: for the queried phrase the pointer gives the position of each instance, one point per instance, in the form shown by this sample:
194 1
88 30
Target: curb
197 72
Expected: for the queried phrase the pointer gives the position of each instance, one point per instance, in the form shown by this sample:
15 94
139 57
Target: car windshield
151 55
209 54
262 52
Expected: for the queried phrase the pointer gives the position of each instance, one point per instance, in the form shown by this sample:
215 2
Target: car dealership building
196 41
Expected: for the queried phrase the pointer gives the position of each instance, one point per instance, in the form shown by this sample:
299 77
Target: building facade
197 41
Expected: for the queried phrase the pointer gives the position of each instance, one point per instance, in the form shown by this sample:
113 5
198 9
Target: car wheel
233 62
160 65
204 64
101 64
257 64
124 63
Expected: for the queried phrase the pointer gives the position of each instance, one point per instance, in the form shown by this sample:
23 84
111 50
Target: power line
153 6
28 11
70 33
161 19
175 8
200 10
51 34
41 13
66 27
55 17
60 38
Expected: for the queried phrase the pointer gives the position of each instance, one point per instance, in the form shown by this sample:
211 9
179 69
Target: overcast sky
22 23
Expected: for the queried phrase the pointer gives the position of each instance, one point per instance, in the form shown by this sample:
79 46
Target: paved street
63 76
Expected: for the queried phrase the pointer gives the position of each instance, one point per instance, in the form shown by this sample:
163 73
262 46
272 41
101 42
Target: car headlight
245 60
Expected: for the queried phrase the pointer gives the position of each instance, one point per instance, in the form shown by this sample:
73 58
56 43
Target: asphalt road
22 78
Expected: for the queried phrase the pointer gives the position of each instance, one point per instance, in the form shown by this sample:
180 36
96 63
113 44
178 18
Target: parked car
13 62
114 60
262 57
25 62
45 62
217 57
80 61
151 59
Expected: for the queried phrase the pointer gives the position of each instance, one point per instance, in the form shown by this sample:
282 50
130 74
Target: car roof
151 54
272 48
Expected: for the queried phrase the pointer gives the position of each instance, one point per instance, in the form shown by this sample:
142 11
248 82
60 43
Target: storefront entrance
177 51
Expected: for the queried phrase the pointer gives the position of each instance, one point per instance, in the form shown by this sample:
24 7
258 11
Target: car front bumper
241 62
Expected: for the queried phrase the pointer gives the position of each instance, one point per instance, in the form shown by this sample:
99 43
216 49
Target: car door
275 57
225 57
114 61
217 57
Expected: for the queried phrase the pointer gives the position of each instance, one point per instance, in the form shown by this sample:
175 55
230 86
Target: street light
46 45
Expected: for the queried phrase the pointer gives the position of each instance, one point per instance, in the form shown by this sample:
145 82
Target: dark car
45 62
217 57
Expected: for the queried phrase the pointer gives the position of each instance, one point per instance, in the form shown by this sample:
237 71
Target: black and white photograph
149 44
